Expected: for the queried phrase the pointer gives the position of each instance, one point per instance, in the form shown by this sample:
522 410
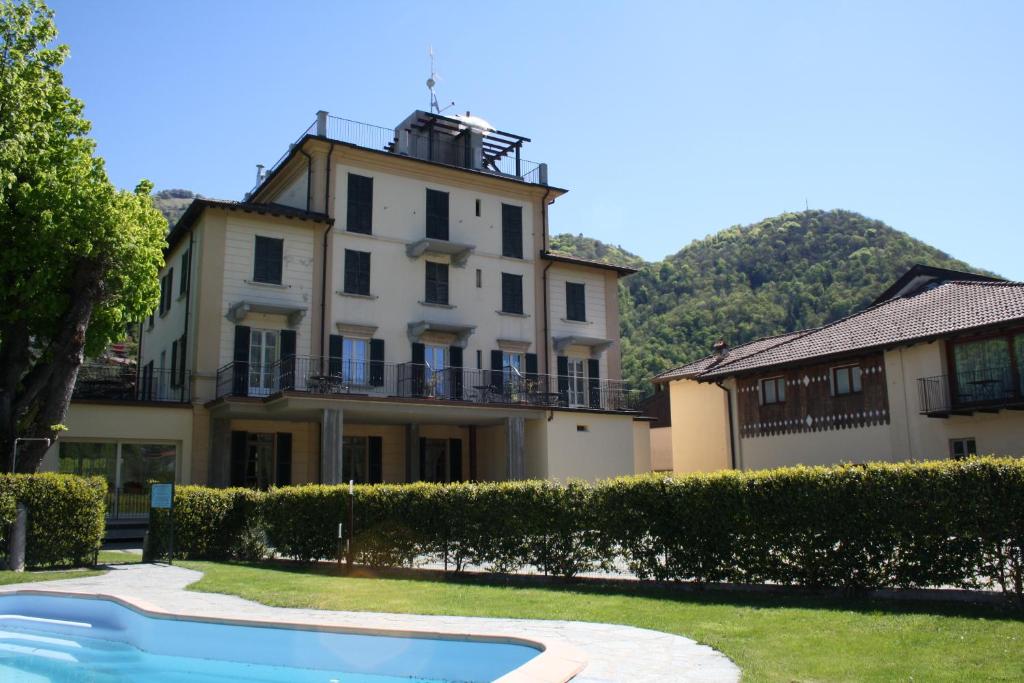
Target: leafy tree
80 258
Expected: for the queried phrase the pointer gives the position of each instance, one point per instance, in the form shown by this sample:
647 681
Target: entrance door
263 355
435 461
259 462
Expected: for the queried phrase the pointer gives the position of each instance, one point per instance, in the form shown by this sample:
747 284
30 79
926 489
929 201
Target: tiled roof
591 263
278 210
946 309
733 354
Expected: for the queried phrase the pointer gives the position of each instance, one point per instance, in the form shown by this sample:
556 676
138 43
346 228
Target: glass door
433 356
259 463
353 361
263 354
435 461
577 383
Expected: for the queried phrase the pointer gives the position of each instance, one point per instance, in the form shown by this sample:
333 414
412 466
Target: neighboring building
933 368
382 307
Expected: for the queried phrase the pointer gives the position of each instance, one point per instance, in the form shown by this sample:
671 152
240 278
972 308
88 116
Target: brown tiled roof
733 354
197 206
590 263
947 309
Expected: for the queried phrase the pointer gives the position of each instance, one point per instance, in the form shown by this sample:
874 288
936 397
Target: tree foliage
789 272
81 257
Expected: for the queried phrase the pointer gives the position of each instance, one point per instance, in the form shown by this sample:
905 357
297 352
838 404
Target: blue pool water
57 639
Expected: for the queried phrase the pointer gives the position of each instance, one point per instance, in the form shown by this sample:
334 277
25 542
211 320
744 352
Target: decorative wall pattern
811 403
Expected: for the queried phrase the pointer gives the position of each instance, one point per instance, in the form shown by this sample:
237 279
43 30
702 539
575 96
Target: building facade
382 307
933 369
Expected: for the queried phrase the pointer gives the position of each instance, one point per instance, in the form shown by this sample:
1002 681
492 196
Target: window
961 448
355 459
437 283
511 293
511 365
357 272
353 360
575 302
129 468
360 204
434 357
186 264
983 370
437 215
846 380
773 390
577 382
512 231
263 354
478 208
268 259
166 285
479 359
479 278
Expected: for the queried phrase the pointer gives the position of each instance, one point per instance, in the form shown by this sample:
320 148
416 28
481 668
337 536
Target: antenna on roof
435 108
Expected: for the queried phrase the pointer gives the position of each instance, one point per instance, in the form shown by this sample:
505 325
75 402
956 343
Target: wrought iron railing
971 389
123 383
337 376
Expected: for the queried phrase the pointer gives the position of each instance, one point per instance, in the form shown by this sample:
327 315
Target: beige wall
700 428
134 423
641 446
492 461
661 449
597 323
305 444
605 449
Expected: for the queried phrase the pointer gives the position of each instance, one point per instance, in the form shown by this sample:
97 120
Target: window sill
435 305
577 322
181 296
273 285
353 295
513 315
367 233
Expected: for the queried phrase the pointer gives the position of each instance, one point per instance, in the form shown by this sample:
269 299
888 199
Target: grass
118 557
772 638
9 577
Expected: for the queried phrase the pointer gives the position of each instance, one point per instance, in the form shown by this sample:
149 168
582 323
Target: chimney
719 348
260 173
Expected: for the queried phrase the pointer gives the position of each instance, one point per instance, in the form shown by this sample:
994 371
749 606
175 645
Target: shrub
66 516
210 524
944 523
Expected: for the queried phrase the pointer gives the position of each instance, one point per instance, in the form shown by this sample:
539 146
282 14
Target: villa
933 368
381 307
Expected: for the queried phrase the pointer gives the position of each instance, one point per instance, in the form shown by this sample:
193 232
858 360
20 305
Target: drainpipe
188 301
323 275
309 177
544 278
732 436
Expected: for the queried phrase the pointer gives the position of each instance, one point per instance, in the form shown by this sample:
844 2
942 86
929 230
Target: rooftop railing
125 383
344 377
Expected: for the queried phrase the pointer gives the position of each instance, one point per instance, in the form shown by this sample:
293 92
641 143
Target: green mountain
172 203
589 248
784 273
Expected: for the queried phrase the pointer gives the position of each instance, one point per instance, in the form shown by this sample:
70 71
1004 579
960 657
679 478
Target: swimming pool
57 638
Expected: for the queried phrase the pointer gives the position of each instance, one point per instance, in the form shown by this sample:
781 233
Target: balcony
414 381
988 390
127 384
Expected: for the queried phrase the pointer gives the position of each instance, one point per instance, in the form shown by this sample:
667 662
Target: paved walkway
614 653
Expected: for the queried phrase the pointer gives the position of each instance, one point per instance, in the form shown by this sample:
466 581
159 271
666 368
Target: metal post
16 545
351 519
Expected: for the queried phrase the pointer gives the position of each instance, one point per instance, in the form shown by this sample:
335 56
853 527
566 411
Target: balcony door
264 350
434 357
577 382
983 371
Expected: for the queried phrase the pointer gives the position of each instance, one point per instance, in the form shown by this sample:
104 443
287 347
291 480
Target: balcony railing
969 391
339 377
119 383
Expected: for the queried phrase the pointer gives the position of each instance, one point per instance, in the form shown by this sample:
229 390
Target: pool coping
555 662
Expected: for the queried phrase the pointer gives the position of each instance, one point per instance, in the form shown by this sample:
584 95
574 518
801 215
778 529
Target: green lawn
8 577
118 557
770 638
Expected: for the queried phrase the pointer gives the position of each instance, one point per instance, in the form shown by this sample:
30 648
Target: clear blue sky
667 121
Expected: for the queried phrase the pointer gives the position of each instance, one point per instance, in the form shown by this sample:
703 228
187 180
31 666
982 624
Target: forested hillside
789 272
172 203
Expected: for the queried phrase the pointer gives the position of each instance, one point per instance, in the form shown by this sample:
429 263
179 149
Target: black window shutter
531 369
174 363
284 459
238 457
376 362
497 371
437 215
288 343
594 382
376 458
511 293
182 367
423 458
287 372
268 259
360 204
357 272
455 363
454 459
335 351
419 353
186 267
240 381
512 231
575 301
562 368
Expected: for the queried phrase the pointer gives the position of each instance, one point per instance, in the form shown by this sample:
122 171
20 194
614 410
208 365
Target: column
515 436
219 463
412 453
331 430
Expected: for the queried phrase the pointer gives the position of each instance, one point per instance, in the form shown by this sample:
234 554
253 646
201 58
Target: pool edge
556 661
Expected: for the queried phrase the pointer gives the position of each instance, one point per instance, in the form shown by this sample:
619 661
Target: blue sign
161 496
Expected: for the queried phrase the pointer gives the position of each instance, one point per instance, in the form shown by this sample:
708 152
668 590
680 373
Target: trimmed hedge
943 523
212 524
66 516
